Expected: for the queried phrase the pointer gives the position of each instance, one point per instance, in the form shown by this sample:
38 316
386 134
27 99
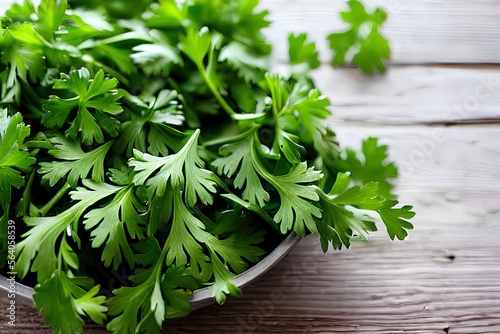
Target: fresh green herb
154 141
363 39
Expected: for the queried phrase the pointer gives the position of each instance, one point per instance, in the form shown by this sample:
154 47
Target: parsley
371 48
156 142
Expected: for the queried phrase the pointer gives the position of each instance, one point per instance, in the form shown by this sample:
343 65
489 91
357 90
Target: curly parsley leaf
91 98
372 49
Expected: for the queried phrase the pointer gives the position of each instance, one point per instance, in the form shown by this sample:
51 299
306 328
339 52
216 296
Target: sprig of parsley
371 49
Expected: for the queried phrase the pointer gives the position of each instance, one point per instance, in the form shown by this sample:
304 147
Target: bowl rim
201 297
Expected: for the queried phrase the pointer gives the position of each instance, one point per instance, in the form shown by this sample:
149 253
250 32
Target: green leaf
396 219
184 243
297 196
177 287
39 243
124 211
150 125
128 304
195 44
352 213
301 52
244 239
373 167
92 99
155 59
50 16
76 164
249 65
222 285
64 301
180 170
341 223
237 155
22 52
158 294
372 49
21 12
14 162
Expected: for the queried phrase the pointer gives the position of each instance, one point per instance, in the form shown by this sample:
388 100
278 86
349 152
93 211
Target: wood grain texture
410 94
413 94
420 31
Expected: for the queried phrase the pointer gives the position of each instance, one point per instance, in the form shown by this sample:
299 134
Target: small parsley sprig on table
156 141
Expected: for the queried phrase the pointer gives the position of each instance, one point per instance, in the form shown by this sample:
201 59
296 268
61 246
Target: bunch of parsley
156 141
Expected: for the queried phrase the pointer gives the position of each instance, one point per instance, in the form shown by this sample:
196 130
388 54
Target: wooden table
438 107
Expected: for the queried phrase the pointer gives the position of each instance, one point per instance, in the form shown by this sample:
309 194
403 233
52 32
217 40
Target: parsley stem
24 203
56 198
216 92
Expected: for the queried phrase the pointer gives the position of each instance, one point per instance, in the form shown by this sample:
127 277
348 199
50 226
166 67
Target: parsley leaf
372 49
40 241
301 52
150 125
182 169
296 196
22 52
372 167
249 65
92 98
76 164
237 154
14 161
352 212
152 298
65 299
50 16
124 210
396 219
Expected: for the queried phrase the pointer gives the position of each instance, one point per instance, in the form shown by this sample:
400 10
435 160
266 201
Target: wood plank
443 279
420 31
412 94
